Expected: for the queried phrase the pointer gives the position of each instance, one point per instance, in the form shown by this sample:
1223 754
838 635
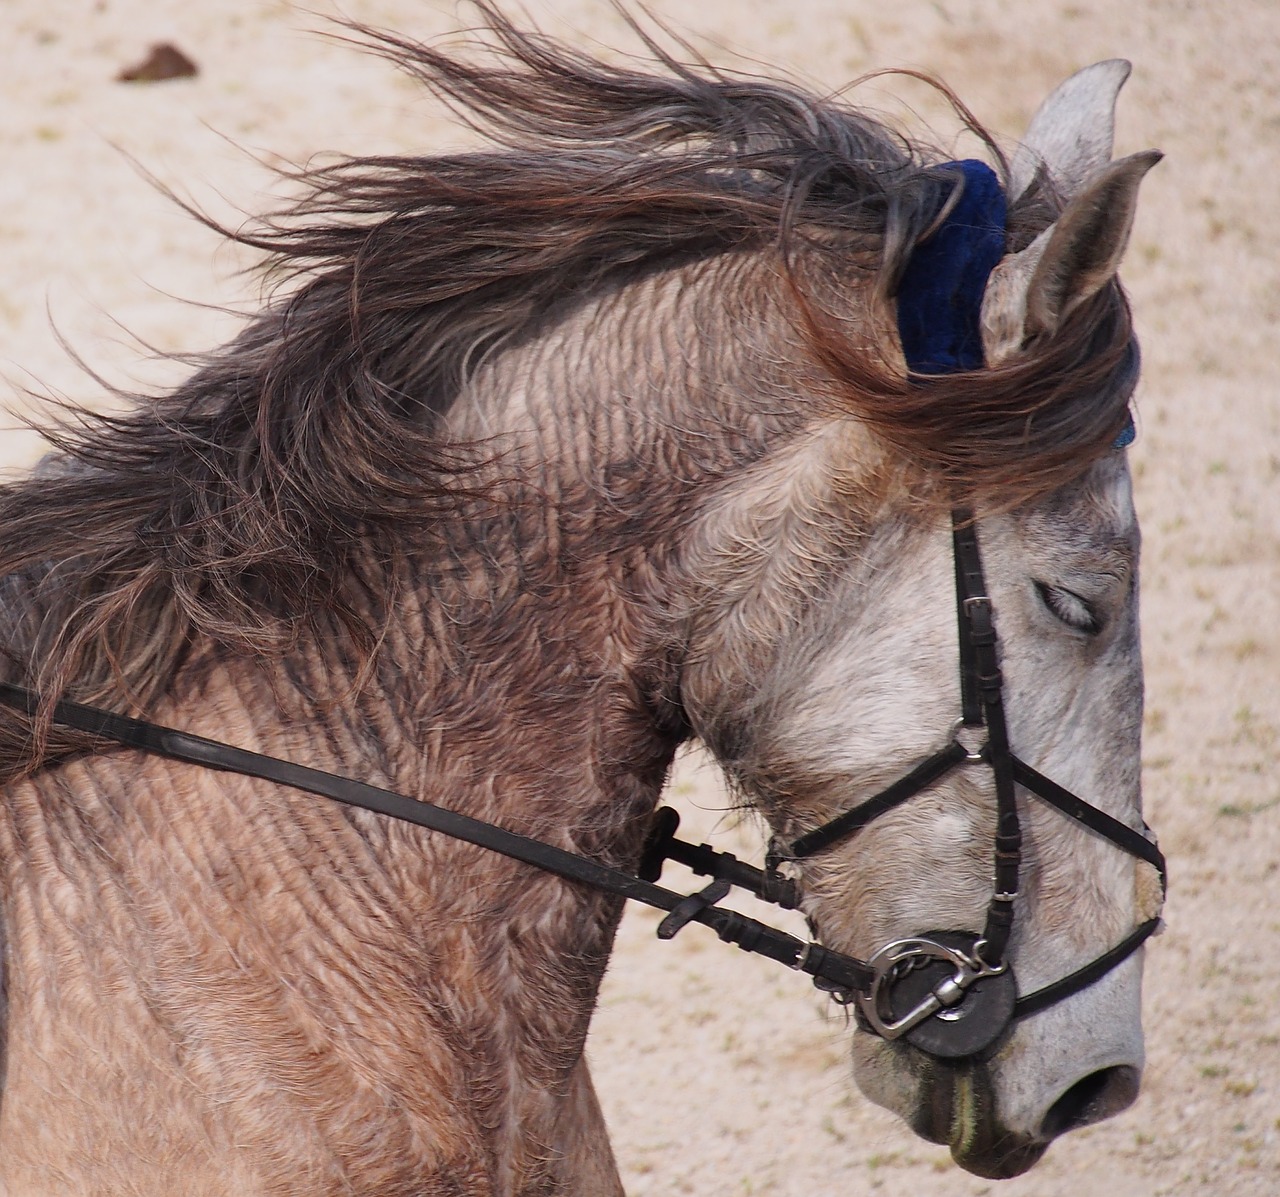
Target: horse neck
519 674
633 450
527 670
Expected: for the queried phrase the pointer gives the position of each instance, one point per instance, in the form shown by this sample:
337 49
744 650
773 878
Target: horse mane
250 499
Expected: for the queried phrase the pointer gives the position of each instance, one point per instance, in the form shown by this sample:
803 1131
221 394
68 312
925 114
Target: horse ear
1034 291
1086 243
1072 132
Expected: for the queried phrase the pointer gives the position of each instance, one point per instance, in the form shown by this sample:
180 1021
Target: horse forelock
275 483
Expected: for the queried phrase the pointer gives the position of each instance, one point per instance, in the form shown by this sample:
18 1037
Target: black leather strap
920 778
687 910
1097 820
1082 978
971 590
982 702
842 972
767 884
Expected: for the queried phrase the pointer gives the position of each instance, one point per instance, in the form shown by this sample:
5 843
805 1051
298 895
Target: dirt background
720 1074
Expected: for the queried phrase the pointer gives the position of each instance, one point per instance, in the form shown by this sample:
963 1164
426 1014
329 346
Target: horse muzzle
958 1108
996 1124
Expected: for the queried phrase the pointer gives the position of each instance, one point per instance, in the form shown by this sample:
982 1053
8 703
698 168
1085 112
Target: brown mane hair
244 503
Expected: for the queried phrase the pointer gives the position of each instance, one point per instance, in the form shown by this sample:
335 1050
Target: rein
842 972
845 977
950 993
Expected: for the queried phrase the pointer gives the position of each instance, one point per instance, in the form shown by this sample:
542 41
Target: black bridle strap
1120 834
1082 978
982 685
920 778
767 884
970 584
834 968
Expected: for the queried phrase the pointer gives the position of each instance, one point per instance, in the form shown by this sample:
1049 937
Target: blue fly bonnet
940 295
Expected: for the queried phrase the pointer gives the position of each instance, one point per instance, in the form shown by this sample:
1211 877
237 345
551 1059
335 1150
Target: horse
539 461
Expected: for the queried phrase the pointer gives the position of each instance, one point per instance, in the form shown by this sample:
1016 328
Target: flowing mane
228 514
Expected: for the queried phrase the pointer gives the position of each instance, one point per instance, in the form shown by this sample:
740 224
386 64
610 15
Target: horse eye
1070 608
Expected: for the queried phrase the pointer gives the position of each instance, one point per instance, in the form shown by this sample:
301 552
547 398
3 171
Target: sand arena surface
722 1074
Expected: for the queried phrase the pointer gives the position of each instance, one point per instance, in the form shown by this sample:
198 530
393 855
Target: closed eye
1070 608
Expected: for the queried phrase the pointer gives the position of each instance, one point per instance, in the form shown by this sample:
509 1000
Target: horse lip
1010 1157
932 1117
957 1108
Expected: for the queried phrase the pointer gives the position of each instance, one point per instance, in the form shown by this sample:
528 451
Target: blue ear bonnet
940 294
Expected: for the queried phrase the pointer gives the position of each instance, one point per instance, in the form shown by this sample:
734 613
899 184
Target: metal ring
969 754
980 961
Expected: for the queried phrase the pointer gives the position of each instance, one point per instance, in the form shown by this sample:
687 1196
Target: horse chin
956 1107
1000 1161
954 1104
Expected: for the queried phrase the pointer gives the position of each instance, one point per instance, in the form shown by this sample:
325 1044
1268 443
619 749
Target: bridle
953 993
949 993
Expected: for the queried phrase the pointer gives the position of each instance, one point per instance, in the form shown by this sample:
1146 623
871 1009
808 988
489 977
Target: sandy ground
720 1074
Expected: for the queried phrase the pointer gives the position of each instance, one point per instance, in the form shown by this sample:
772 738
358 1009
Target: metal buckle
895 959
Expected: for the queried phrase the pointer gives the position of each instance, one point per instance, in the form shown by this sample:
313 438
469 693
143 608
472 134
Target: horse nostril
1090 1100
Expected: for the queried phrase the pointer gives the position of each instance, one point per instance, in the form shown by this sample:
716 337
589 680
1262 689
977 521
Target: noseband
949 993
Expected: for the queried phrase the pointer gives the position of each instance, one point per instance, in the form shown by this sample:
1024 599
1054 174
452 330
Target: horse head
815 705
